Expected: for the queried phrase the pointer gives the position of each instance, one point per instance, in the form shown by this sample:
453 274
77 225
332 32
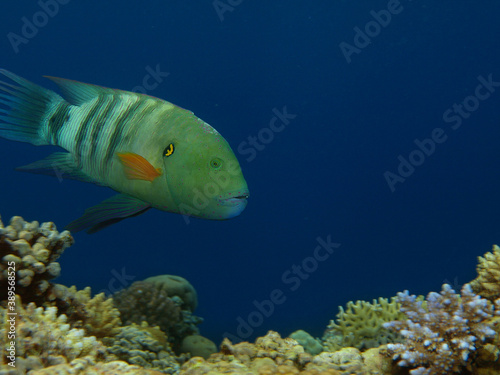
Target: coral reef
361 325
65 331
441 338
34 249
144 346
110 368
146 301
487 282
45 339
273 355
198 346
96 315
309 343
176 286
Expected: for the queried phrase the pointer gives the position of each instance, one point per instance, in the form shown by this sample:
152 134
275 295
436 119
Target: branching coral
34 249
45 339
361 325
441 337
487 282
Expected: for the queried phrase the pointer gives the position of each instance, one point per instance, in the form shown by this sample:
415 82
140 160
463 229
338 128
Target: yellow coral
97 315
103 319
360 325
487 282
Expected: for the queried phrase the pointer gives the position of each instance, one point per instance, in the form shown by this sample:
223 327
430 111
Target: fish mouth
234 198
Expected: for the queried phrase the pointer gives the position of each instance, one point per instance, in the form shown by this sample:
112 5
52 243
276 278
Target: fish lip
234 198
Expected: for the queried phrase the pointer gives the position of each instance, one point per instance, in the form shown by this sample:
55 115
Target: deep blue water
322 175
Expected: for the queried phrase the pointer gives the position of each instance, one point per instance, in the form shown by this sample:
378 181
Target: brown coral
144 346
149 302
31 250
176 286
487 282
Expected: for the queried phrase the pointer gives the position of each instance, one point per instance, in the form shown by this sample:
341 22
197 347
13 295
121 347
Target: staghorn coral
361 325
144 346
44 339
487 282
34 249
273 355
441 338
148 302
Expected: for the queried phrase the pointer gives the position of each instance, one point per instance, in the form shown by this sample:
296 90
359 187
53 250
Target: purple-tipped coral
441 336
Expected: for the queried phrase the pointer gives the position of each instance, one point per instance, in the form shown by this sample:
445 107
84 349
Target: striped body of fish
152 152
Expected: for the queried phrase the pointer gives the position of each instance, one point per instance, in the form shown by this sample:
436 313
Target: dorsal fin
78 93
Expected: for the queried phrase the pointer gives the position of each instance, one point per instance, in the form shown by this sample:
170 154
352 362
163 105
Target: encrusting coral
442 337
34 249
487 282
310 344
272 354
144 346
360 325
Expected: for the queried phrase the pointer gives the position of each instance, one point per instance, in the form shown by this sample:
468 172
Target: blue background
323 175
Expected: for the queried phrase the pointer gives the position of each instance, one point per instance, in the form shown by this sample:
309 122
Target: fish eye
216 163
169 150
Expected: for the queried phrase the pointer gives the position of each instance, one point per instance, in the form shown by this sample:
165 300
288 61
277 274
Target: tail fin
25 109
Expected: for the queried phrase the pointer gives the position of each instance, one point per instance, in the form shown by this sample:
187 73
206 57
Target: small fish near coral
152 152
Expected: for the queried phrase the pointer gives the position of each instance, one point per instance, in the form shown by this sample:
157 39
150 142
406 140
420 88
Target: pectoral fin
137 167
108 212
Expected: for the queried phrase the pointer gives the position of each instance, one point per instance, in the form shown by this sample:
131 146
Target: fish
152 153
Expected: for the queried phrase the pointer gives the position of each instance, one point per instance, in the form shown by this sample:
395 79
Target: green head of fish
203 175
